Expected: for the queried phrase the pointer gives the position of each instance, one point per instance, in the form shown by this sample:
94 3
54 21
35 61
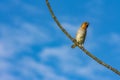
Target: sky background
32 47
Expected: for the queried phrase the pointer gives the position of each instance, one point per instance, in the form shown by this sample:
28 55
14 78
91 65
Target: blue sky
32 47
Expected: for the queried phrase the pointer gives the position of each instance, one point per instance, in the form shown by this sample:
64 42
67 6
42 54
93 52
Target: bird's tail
73 46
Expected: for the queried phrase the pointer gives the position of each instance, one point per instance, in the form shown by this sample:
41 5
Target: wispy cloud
31 9
23 6
20 37
27 68
71 64
45 71
52 63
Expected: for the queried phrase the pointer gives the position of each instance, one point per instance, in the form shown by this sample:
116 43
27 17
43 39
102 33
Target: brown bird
81 34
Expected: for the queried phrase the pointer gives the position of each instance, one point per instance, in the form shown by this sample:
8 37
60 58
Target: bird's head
84 25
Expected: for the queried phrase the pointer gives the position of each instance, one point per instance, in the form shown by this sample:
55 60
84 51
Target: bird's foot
74 40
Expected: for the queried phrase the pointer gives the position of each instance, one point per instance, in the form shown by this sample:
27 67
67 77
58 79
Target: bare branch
81 47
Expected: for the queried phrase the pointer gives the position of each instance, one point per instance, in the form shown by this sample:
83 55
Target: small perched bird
81 34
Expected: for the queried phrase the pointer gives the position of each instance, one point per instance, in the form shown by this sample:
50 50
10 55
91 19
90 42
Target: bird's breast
80 35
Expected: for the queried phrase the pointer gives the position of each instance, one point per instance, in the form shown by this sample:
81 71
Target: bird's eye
86 23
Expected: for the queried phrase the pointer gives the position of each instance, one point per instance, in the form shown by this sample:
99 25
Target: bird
81 34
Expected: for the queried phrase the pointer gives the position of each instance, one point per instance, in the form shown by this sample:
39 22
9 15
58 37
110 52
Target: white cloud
68 59
7 76
8 5
24 6
70 63
30 9
89 71
28 68
71 28
45 71
15 39
5 67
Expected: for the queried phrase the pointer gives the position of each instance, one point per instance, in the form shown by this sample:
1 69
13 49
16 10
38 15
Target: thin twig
81 47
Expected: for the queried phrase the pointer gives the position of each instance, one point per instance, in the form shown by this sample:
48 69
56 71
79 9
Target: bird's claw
74 40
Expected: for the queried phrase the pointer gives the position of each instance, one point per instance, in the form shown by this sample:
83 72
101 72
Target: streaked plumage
81 34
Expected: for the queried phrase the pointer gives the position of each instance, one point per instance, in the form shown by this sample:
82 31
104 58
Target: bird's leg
74 40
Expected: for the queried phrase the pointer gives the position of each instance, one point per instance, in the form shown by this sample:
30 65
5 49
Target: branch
81 47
